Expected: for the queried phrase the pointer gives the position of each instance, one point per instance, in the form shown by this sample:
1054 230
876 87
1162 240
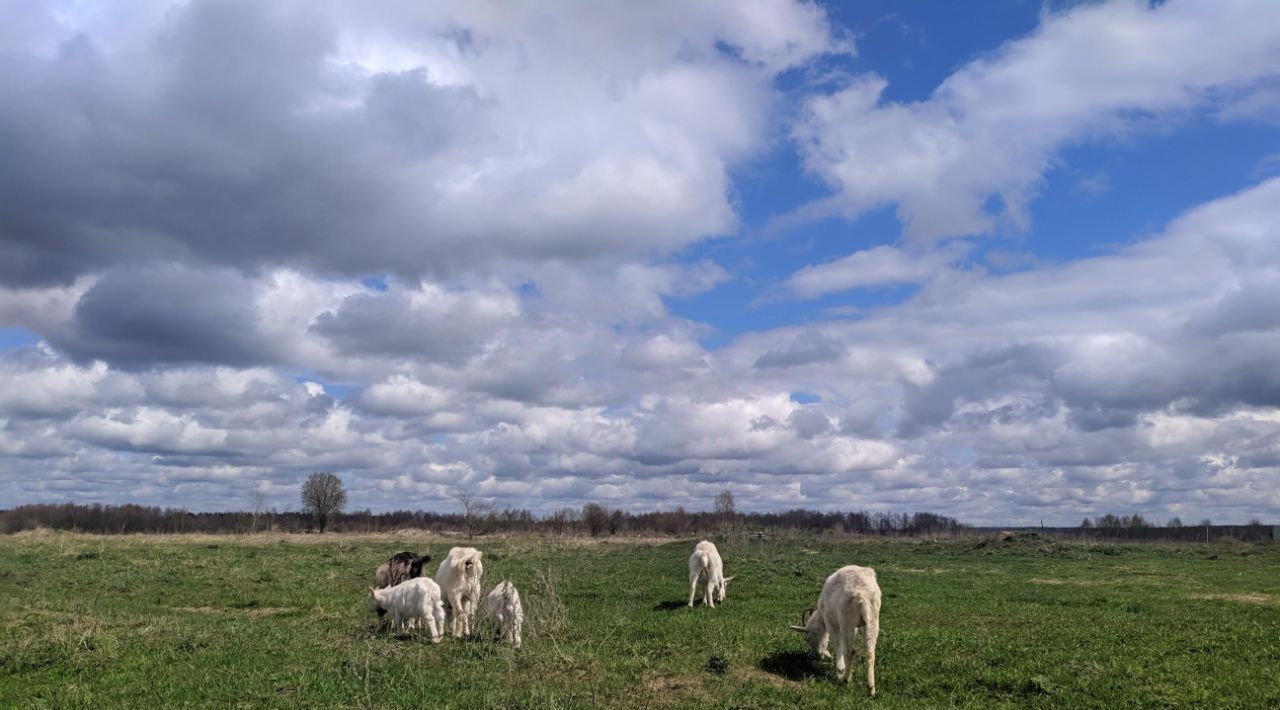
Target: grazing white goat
503 605
416 599
705 564
459 579
850 601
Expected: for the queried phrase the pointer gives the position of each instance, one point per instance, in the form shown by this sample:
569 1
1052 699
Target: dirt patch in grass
247 611
767 678
1263 599
676 689
1074 582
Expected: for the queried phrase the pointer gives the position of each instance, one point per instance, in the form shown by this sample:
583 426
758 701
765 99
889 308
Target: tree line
1113 521
594 519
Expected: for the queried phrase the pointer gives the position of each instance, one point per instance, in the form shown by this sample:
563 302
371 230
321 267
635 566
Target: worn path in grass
162 621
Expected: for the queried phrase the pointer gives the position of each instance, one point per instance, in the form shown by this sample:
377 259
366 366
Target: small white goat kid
850 601
705 564
415 599
459 579
503 605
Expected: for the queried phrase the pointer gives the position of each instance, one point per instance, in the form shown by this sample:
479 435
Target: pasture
280 621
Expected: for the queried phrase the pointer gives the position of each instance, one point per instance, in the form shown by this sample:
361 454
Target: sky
1006 261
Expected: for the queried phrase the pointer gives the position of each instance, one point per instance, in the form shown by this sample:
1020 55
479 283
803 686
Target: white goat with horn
705 565
850 601
459 578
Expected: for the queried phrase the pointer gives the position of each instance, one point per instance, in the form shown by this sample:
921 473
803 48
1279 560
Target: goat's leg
432 628
824 643
842 649
455 613
438 631
873 631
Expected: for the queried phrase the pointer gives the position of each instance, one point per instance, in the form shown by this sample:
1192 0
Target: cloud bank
442 248
974 153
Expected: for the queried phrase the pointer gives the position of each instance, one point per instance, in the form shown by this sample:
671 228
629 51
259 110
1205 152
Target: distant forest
592 519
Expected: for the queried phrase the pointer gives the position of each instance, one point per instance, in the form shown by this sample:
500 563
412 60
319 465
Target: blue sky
1100 193
1007 261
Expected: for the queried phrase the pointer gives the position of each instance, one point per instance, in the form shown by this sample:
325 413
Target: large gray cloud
409 140
169 315
430 324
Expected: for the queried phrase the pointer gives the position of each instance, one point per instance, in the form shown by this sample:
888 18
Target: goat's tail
866 609
699 565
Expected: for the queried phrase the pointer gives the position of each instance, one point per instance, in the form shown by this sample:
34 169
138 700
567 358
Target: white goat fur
850 601
459 579
503 605
415 599
705 564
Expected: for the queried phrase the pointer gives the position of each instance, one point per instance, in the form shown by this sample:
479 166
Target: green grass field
274 621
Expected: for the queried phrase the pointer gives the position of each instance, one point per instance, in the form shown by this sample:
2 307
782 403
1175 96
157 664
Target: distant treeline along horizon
592 519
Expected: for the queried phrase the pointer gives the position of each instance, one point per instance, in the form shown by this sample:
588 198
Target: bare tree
474 511
595 517
323 496
564 520
257 503
1174 522
725 511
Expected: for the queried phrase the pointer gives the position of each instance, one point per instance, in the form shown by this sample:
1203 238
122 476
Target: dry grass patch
675 689
1264 599
1073 582
756 674
247 611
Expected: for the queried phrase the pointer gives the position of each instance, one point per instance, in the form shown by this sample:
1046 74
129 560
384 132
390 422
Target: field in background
274 621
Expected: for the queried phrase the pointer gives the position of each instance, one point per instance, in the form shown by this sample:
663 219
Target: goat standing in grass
400 567
850 601
459 579
503 605
705 564
415 599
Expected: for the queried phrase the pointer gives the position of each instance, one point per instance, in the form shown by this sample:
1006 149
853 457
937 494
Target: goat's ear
729 579
800 629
